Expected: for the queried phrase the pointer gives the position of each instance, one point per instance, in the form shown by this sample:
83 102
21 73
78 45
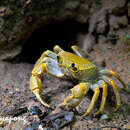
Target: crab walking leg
47 53
104 96
96 90
77 50
57 49
116 91
36 84
111 72
78 92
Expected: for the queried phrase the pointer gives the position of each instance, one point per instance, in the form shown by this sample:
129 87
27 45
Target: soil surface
16 97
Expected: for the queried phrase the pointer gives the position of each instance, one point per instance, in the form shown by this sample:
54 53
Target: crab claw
49 66
78 92
36 88
39 97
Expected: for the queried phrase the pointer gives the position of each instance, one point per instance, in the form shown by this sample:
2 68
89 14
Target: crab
63 64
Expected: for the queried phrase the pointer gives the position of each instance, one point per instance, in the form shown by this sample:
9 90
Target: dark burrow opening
61 33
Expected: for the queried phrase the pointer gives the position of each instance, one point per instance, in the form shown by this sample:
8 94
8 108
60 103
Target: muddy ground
15 93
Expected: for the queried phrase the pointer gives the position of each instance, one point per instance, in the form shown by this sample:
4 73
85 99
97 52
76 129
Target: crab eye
59 60
74 67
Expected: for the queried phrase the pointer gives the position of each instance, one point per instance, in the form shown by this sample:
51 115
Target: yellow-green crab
61 64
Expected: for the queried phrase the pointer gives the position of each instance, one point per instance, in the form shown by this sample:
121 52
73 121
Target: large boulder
19 18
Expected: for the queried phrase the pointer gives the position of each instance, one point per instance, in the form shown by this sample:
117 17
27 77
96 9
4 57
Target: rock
25 16
2 10
124 36
8 54
1 22
126 126
116 7
112 36
98 22
119 69
128 6
17 111
18 20
87 42
83 10
33 126
1 123
127 39
102 39
117 21
105 117
34 110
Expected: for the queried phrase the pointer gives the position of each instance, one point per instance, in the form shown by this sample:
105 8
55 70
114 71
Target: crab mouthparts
54 69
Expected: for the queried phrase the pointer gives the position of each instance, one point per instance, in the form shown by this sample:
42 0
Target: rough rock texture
86 42
116 7
98 22
18 19
128 6
122 36
116 22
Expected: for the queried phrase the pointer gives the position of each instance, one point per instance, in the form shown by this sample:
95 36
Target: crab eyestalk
57 49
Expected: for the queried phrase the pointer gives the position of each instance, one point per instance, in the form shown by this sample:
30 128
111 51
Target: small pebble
34 110
119 69
105 117
40 127
69 117
1 123
126 126
33 126
57 123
